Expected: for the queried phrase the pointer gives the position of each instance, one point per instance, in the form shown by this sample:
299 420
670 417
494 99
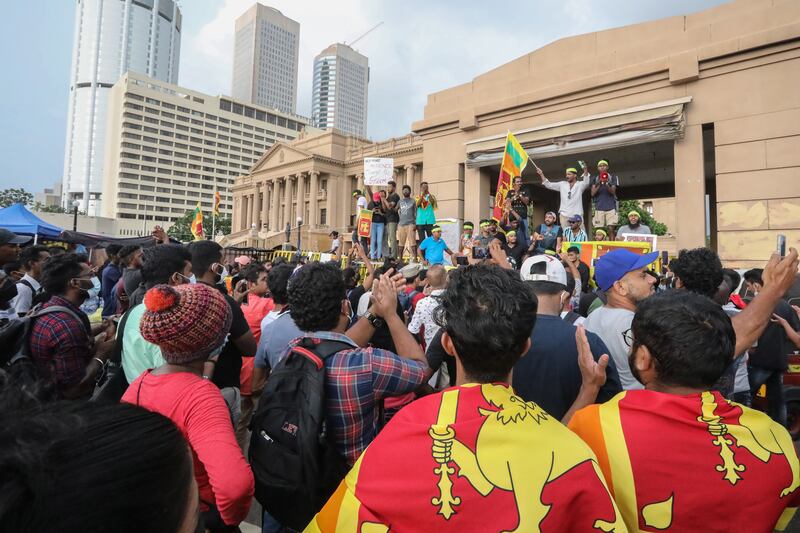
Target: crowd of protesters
515 380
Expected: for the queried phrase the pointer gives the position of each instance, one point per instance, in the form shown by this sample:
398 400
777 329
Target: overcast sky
422 47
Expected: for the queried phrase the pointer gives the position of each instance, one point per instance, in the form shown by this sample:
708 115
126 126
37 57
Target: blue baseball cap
615 264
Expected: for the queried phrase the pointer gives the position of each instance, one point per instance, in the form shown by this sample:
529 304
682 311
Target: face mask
192 279
222 274
83 288
95 290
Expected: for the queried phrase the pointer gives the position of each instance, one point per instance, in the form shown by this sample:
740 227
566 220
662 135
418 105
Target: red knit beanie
187 321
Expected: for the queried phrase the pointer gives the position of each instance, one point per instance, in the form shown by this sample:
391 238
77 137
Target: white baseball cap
554 273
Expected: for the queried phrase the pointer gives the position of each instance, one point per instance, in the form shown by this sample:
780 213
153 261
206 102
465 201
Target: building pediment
278 155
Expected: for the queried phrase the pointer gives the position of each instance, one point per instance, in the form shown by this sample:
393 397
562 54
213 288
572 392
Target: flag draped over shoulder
688 462
514 160
197 223
472 458
217 200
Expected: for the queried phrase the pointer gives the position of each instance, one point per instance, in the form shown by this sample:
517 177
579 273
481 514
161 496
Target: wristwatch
374 320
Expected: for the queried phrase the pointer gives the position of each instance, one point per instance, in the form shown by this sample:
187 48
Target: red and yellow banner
514 160
197 223
217 201
364 223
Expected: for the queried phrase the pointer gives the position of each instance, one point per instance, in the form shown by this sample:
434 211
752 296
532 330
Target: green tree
181 229
38 206
626 206
15 196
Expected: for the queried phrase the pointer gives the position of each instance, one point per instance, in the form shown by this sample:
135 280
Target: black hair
392 182
406 187
570 284
483 221
126 251
30 254
204 254
754 275
252 271
546 288
574 249
113 249
423 183
12 266
58 271
278 281
61 462
160 262
732 278
690 337
56 250
467 222
315 297
489 314
700 270
335 234
350 277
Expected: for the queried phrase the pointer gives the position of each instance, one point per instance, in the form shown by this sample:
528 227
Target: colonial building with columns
308 184
701 109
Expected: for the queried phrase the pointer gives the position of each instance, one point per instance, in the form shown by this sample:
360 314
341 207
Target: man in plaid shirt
357 379
62 344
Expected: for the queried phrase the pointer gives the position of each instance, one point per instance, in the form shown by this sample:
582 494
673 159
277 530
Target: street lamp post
75 206
299 224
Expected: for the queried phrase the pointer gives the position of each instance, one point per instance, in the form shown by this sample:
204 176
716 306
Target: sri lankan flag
472 458
514 160
217 201
197 223
692 463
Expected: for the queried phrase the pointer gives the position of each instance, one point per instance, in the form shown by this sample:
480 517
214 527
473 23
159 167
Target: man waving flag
514 160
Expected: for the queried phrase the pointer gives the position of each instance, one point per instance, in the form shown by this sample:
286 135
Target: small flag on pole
217 200
197 223
514 160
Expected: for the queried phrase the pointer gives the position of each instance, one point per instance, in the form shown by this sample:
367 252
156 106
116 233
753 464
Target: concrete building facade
340 90
265 55
170 147
703 109
110 38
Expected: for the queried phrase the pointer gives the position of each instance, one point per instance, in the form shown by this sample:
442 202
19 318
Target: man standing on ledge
571 192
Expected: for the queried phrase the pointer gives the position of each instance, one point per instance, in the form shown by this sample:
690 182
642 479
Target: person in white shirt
571 192
423 313
32 258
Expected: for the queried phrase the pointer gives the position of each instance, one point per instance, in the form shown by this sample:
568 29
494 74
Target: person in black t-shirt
519 203
574 257
378 223
225 369
514 249
392 217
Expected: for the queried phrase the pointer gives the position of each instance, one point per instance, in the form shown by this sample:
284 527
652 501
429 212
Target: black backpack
15 355
294 461
37 297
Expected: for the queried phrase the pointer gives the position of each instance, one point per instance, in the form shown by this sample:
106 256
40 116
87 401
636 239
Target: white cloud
422 47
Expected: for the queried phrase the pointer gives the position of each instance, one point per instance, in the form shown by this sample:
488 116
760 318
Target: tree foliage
38 206
626 206
15 196
181 229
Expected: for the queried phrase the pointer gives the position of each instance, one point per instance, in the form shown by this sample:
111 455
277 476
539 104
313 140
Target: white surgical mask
192 279
95 290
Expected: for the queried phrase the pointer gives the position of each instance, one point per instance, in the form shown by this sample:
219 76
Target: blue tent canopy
18 219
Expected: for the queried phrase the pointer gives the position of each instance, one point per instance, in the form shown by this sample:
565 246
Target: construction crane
364 34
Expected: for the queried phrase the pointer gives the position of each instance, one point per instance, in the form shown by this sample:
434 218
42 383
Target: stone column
360 183
301 197
476 195
264 206
243 218
235 214
253 209
330 201
256 218
410 179
276 205
287 198
690 189
313 208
